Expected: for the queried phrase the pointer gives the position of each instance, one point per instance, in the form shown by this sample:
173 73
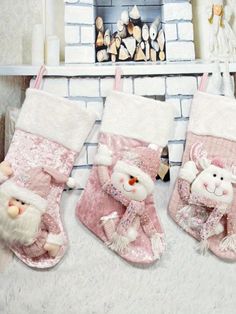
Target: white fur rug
92 280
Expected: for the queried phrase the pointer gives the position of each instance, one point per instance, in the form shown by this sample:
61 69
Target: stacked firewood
133 40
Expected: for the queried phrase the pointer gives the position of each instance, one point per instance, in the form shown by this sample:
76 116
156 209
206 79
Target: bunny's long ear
204 163
199 155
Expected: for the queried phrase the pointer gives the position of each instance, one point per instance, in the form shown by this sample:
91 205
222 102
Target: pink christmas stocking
117 204
203 202
50 132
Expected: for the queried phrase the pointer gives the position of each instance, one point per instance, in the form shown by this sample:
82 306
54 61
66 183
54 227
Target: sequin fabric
28 151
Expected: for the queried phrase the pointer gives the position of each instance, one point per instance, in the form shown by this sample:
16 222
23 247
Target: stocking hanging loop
39 76
118 83
203 83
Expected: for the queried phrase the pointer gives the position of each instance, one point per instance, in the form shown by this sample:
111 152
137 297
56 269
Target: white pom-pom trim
72 183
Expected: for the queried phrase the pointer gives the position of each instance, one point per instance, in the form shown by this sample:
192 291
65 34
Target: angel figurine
222 39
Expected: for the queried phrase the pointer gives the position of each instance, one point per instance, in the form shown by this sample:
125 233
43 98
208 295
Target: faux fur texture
209 122
188 172
103 156
2 177
92 279
22 230
61 116
55 238
135 172
139 118
25 195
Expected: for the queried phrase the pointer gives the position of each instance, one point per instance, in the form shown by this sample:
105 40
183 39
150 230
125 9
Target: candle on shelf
52 51
38 45
50 18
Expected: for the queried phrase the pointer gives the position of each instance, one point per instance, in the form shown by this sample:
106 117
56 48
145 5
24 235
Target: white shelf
106 69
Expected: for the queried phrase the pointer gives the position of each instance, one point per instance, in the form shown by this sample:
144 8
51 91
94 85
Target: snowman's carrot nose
132 181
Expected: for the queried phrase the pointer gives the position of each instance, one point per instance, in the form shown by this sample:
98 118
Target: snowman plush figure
24 221
130 182
222 39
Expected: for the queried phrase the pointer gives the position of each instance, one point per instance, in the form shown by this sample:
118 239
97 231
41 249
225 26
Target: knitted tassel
158 246
228 243
119 243
203 247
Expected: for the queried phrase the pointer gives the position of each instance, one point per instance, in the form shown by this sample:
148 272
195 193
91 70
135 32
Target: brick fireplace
90 90
80 15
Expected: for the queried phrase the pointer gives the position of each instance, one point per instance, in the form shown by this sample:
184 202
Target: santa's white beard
21 230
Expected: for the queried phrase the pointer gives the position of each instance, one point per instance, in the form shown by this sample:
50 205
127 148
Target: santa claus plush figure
24 222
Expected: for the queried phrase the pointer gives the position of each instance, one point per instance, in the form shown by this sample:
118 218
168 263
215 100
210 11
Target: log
107 38
155 45
135 16
99 24
153 55
117 41
112 49
130 28
123 53
125 17
113 58
154 29
130 44
145 32
102 55
161 42
99 41
147 50
137 33
121 29
139 54
142 45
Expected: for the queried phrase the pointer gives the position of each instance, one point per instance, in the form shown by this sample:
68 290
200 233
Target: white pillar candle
52 51
38 45
50 17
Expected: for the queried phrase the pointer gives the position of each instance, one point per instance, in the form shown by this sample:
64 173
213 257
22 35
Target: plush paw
189 171
103 156
52 249
5 169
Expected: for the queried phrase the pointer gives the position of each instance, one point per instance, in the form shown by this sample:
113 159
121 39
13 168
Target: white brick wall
97 106
185 31
177 11
180 51
149 86
79 14
185 85
87 34
176 106
57 86
107 84
84 87
80 54
82 158
176 152
171 31
186 106
180 128
72 34
93 136
92 150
